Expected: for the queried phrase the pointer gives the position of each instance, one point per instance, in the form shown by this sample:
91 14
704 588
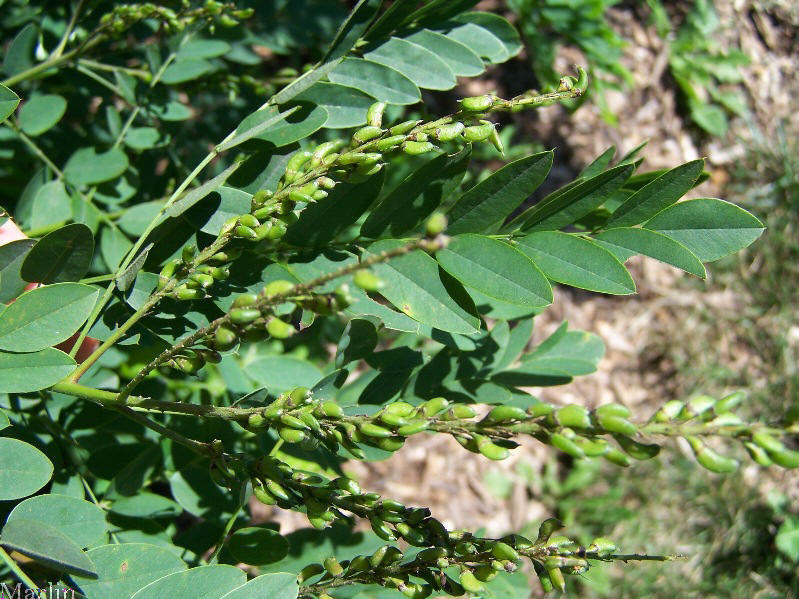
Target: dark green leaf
23 468
19 55
345 106
202 48
12 255
283 373
652 244
87 167
418 64
181 71
488 203
125 568
261 122
61 256
657 195
204 582
45 316
4 421
599 164
280 585
198 193
518 339
46 545
352 29
417 196
358 341
379 81
575 261
51 205
571 206
40 113
258 546
81 521
496 269
144 138
415 287
303 82
232 203
128 276
459 57
710 228
8 102
23 373
197 493
146 505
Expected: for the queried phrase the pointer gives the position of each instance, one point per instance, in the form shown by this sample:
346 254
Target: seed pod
244 300
245 232
347 484
294 165
373 430
374 115
352 158
293 422
388 443
709 458
505 413
224 339
203 280
309 571
391 420
299 197
220 273
436 224
469 582
261 494
787 458
503 551
485 573
278 287
668 411
166 272
367 280
377 557
210 356
183 293
326 183
291 435
414 536
333 567
639 451
189 364
261 197
767 442
244 315
462 411
573 416
276 489
582 78
489 449
479 132
279 329
414 148
323 150
248 220
543 577
188 253
496 141
478 103
615 424
758 454
449 131
365 134
389 143
256 422
556 576
331 409
433 407
299 395
566 445
540 409
592 447
697 406
402 128
319 195
413 427
728 402
613 409
602 547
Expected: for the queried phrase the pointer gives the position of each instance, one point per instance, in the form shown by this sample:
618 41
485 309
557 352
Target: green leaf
566 208
709 117
481 41
379 81
60 256
323 221
80 521
787 539
417 196
8 102
40 113
12 255
146 505
518 339
51 205
125 568
203 48
498 26
23 373
23 468
127 277
352 29
459 57
262 121
198 193
708 227
257 546
114 246
488 203
296 126
282 373
303 82
414 285
136 218
46 545
599 164
346 106
195 491
232 203
496 269
45 316
144 138
182 71
358 341
652 244
19 55
418 64
171 111
575 261
4 421
87 167
279 585
657 195
204 582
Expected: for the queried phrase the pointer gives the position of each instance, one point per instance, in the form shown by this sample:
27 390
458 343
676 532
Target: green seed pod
391 420
248 220
279 329
566 445
244 315
219 273
276 489
669 411
543 577
261 494
540 409
377 557
374 115
582 78
787 458
291 435
433 407
256 422
203 280
489 449
365 134
229 225
373 430
293 422
245 232
573 416
261 197
309 571
333 567
727 403
331 409
478 103
392 556
485 573
504 414
244 300
294 165
387 444
389 143
352 158
399 408
767 441
566 83
360 563
758 454
432 554
469 582
462 411
265 211
381 529
166 273
449 131
367 280
188 253
709 458
639 451
556 576
414 536
592 447
278 287
436 224
326 183
347 484
414 148
183 293
224 339
503 551
613 409
299 395
189 364
264 231
615 424
298 197
496 141
602 547
479 132
697 406
413 428
210 356
319 195
323 150
402 128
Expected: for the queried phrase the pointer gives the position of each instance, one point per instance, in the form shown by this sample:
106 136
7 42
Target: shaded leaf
358 341
8 102
352 29
185 70
88 167
23 373
257 546
40 113
47 545
12 255
60 256
81 521
379 81
498 26
345 106
260 123
282 373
